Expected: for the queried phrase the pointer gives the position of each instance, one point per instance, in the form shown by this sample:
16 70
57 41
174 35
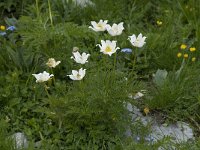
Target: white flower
77 75
42 77
138 95
52 63
137 42
81 59
100 26
108 47
115 29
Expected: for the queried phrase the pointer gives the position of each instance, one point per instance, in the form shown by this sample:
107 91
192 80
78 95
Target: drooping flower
116 29
179 55
137 41
108 47
126 50
77 74
183 46
42 77
81 59
100 26
75 49
192 49
138 95
146 110
52 63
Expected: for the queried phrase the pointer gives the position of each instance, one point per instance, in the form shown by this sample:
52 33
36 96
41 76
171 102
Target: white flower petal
108 47
137 42
116 29
100 26
42 77
77 74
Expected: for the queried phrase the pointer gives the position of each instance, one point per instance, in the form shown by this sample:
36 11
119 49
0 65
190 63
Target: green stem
50 14
134 59
60 123
38 10
45 88
27 81
114 66
53 78
115 61
41 136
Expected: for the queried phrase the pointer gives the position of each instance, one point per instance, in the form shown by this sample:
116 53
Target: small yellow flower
185 55
2 27
192 49
193 59
146 110
179 55
183 46
159 22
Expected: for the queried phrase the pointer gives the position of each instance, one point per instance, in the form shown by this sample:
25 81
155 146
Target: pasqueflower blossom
100 26
108 47
81 59
116 29
42 77
52 63
77 74
137 41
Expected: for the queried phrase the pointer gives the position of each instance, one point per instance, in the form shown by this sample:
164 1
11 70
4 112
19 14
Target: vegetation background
90 114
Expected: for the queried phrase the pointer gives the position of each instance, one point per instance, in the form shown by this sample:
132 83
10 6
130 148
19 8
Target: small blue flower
2 33
126 50
11 28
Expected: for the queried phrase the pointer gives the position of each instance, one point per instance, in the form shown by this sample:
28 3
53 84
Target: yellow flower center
78 76
100 26
108 49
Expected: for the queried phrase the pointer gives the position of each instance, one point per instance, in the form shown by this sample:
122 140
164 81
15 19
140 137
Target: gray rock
83 3
20 140
179 132
38 144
